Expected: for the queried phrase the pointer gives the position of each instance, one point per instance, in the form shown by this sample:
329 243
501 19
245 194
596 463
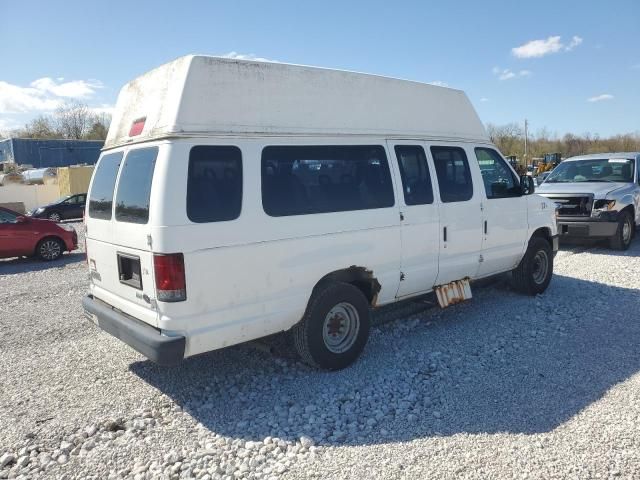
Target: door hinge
401 216
481 259
481 207
149 241
402 276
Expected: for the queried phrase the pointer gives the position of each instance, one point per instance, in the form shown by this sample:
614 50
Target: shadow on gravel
500 363
24 265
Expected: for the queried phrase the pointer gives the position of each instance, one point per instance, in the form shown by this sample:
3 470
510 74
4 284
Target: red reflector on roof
137 126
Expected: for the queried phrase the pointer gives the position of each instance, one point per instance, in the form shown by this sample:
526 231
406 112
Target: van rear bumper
138 335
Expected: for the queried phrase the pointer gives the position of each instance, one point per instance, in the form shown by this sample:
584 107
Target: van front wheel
335 327
533 274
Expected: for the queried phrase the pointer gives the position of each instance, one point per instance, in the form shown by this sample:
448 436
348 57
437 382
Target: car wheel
335 327
55 217
50 249
533 274
624 233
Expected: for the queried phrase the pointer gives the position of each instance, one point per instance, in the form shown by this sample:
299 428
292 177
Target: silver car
598 196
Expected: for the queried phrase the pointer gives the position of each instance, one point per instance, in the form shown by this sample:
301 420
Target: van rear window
104 181
214 186
300 180
134 186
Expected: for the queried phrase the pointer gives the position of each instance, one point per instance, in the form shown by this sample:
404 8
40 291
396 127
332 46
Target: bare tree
74 120
40 127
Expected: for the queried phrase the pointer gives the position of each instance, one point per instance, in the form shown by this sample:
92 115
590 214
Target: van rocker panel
138 335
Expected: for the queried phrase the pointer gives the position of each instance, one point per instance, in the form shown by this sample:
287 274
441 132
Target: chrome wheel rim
340 328
626 231
540 267
55 217
50 250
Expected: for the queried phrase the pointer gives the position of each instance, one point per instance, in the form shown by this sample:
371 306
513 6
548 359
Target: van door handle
444 233
485 227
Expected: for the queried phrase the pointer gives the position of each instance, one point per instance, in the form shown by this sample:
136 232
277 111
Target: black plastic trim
138 335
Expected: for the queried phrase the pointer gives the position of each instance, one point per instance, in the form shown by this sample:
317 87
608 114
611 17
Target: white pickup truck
598 196
237 199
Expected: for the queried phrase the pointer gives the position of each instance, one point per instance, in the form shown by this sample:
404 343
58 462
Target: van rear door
118 233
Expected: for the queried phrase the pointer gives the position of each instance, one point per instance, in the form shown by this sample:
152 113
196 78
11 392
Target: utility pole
526 135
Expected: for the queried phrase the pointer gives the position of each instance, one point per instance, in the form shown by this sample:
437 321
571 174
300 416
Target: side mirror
21 219
527 187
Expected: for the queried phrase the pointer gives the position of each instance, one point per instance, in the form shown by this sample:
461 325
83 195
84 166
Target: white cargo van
237 199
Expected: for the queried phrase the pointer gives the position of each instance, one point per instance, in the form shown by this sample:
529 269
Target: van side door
504 213
460 229
419 218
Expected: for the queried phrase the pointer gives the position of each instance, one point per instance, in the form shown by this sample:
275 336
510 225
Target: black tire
533 274
621 240
54 217
322 349
50 249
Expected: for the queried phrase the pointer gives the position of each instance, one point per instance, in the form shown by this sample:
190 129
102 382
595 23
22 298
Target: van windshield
593 170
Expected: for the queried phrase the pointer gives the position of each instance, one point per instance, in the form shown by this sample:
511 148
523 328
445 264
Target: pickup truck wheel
50 249
533 274
624 234
335 327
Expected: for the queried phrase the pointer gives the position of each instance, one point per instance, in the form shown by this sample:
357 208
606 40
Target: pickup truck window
499 180
414 170
454 175
593 170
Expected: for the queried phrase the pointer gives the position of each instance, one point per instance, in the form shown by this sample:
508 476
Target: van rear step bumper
135 333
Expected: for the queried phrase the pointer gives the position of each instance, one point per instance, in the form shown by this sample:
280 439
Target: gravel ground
503 386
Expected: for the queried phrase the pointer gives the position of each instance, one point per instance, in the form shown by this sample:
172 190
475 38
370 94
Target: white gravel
504 386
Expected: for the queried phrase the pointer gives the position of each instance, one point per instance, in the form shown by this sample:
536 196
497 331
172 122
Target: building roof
196 95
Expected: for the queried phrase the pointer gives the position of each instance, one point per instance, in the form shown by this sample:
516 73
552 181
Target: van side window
214 185
499 180
300 180
414 170
454 175
134 185
104 182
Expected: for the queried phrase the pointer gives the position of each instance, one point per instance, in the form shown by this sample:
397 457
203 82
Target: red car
32 237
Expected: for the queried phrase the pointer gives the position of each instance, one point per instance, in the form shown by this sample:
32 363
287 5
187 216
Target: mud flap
454 292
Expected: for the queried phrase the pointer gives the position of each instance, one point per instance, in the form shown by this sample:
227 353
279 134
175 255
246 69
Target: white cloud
44 94
73 89
439 83
8 124
600 98
508 74
484 99
635 67
575 41
104 109
247 56
540 48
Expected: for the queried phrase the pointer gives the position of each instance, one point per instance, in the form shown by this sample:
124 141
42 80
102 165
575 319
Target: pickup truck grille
578 205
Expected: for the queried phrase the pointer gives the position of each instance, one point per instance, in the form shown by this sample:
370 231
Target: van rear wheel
335 327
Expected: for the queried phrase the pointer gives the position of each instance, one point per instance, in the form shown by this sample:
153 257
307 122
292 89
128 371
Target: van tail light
171 285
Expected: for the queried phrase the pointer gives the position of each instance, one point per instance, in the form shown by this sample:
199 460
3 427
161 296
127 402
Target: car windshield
62 199
593 170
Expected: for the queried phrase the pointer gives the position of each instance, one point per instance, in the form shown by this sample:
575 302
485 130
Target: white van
238 199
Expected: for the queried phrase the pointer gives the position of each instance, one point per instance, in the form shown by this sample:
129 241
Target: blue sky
580 74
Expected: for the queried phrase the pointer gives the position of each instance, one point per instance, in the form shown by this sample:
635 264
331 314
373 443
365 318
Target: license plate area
129 271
